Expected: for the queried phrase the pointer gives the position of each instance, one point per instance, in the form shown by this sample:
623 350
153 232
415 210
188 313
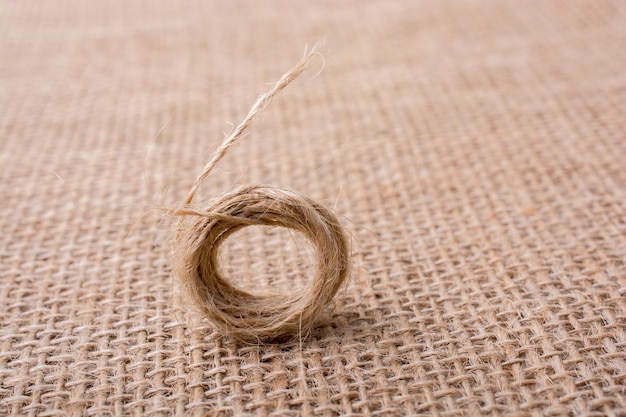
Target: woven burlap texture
476 151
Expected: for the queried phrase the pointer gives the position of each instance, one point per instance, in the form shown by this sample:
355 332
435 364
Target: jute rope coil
201 230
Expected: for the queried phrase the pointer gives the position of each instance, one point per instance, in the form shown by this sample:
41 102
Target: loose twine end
200 231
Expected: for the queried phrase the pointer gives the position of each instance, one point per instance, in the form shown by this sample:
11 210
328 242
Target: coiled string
200 231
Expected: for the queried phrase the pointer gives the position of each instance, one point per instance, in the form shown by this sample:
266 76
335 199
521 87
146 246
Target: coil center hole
266 260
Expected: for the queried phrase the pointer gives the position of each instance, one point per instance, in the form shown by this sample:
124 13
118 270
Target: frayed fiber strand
200 231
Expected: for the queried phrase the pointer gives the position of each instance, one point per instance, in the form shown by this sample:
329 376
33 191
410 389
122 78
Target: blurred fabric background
476 151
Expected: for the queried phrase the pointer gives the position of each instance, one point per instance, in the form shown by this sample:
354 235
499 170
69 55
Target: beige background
474 149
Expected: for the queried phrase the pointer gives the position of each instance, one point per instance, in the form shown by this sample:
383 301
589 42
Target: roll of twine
200 231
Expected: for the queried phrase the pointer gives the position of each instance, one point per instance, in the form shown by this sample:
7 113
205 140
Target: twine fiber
245 316
475 150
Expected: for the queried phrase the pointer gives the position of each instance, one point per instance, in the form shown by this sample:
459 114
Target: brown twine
200 232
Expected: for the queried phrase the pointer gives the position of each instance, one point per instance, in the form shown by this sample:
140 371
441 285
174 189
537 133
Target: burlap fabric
476 151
